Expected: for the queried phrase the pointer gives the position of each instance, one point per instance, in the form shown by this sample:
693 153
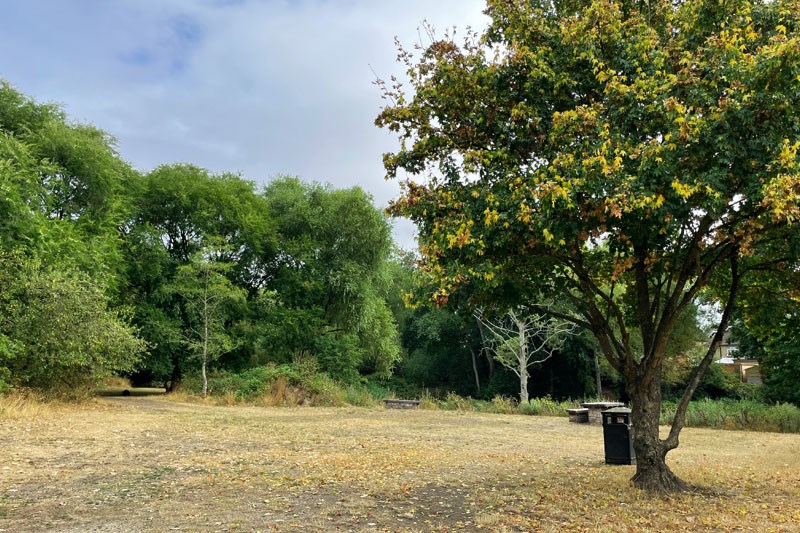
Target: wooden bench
401 404
579 415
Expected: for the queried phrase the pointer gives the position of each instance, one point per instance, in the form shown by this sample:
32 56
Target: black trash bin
618 436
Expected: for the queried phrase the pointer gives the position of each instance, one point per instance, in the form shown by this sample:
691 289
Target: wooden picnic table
595 408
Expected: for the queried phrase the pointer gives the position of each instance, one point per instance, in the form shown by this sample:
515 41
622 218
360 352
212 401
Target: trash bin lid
617 410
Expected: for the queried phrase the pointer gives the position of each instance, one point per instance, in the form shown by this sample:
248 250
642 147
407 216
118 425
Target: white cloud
259 87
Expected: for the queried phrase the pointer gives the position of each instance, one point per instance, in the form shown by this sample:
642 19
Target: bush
506 405
359 396
454 402
403 389
427 401
299 383
784 417
749 415
379 391
59 334
546 406
716 384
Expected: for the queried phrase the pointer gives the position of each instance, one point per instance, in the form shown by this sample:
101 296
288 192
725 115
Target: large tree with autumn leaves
629 156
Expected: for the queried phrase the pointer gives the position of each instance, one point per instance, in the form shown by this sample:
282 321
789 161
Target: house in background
726 349
747 369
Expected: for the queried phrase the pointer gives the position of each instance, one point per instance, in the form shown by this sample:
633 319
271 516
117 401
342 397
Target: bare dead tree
520 339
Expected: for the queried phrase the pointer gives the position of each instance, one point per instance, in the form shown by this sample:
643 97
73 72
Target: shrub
59 333
359 396
504 405
299 383
454 402
737 414
499 404
546 406
784 417
379 392
427 401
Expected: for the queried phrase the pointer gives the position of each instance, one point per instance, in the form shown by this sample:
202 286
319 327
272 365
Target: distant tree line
105 270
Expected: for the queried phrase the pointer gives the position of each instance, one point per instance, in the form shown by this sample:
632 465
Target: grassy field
153 464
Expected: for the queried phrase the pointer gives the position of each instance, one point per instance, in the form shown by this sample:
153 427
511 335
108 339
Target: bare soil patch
151 464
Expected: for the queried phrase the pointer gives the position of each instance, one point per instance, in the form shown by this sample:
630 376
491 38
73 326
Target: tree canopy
161 273
629 156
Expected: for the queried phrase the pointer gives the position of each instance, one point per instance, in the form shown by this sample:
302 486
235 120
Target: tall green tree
65 188
209 296
57 329
625 155
21 220
329 279
63 205
180 210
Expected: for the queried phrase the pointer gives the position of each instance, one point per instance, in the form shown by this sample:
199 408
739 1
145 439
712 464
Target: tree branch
671 442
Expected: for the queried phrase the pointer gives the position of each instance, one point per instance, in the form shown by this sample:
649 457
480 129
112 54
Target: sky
259 87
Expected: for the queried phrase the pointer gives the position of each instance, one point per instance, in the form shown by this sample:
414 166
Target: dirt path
149 464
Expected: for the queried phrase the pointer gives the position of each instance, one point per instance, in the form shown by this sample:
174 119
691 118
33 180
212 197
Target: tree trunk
475 370
598 382
205 347
205 378
523 383
489 358
652 473
175 378
522 357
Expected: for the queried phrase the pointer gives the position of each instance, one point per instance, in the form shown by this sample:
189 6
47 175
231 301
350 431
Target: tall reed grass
749 415
283 385
25 403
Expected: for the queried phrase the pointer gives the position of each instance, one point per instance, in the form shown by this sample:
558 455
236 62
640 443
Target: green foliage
208 296
781 368
454 402
628 157
309 258
330 281
187 209
438 351
339 354
439 348
309 265
65 192
179 211
715 384
359 396
428 401
298 383
250 384
8 349
21 223
505 405
546 406
748 415
770 334
57 329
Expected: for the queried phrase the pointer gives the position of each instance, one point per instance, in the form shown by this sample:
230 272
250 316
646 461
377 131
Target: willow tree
630 156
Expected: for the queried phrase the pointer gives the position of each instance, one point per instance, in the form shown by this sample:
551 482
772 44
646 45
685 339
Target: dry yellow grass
115 382
28 404
151 464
